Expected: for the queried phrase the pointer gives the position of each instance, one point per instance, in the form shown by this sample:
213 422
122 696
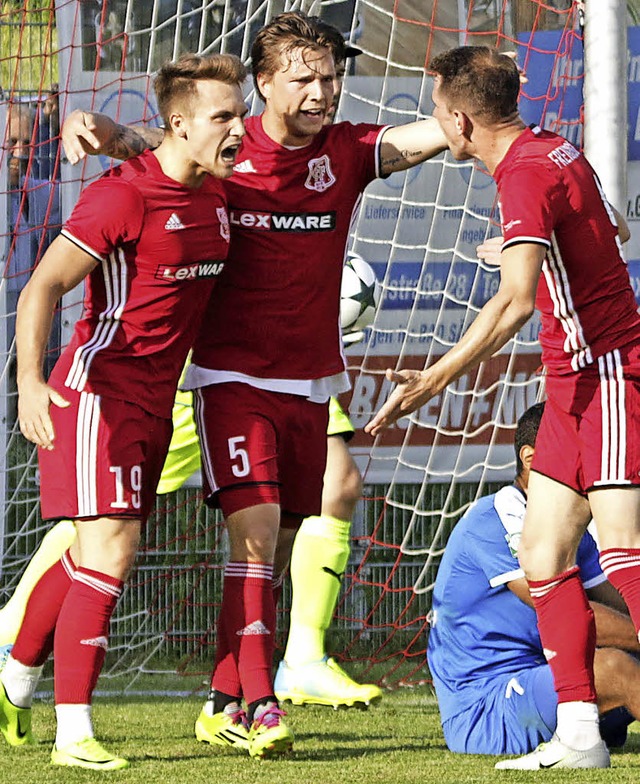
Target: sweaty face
299 96
214 126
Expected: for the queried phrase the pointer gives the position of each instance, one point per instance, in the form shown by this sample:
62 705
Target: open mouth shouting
229 153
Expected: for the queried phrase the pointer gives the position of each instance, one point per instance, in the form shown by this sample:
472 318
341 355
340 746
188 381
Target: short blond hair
176 80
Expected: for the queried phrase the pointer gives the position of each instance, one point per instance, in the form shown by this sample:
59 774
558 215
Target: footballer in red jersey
277 351
562 253
275 355
159 248
151 238
550 195
290 212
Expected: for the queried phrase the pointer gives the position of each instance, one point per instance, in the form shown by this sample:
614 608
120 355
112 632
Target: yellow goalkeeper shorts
183 458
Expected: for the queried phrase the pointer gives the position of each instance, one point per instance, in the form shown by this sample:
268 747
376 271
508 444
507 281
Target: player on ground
263 377
494 687
561 253
103 421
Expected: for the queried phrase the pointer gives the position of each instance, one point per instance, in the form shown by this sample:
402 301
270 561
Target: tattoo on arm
408 157
129 142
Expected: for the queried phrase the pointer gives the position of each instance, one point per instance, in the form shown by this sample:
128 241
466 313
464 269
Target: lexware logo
203 269
283 221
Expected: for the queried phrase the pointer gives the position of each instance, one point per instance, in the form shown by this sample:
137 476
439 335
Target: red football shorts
261 447
107 459
589 436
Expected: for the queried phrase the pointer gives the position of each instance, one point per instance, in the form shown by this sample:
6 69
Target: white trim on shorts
87 430
205 454
613 455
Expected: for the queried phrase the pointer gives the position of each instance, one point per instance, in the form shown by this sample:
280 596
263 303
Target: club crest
320 175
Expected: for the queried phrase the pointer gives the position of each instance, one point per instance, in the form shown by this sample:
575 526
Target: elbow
521 310
36 292
526 312
519 314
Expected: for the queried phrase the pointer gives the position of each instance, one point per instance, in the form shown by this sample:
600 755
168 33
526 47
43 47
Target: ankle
264 705
73 724
578 725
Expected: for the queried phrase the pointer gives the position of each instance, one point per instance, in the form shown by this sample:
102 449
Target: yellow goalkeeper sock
318 560
54 544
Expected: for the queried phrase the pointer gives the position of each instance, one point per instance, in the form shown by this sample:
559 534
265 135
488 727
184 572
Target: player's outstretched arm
407 145
497 322
92 133
62 267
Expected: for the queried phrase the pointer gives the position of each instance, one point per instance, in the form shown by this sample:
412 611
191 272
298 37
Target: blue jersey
479 628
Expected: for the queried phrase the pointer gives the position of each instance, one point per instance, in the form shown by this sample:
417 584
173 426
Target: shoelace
240 717
271 718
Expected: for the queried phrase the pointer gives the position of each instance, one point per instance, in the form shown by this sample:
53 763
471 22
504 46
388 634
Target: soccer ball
359 294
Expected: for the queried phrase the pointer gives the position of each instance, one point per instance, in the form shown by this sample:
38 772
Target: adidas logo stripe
255 628
245 167
173 223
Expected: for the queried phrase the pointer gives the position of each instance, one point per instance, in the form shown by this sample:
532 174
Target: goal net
419 230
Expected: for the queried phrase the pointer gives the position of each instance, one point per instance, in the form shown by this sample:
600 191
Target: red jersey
549 194
276 308
160 247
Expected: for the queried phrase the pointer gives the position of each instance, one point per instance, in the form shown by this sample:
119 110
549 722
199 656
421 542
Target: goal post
605 104
419 230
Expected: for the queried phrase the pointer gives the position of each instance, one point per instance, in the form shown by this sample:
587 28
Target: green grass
397 742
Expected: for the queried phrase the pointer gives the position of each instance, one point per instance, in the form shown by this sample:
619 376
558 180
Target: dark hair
286 33
176 81
527 431
480 81
334 39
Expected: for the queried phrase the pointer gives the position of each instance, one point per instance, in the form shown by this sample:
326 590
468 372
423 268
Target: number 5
236 452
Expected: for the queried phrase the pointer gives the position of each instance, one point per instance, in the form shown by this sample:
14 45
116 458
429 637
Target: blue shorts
512 715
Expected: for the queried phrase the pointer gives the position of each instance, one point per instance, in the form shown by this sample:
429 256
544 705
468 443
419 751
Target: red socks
568 633
225 678
247 621
622 567
81 637
35 638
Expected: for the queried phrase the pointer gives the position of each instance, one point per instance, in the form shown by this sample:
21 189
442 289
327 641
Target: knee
540 561
616 677
342 493
257 545
121 563
253 533
115 556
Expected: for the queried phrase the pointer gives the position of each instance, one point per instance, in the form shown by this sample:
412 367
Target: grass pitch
397 742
